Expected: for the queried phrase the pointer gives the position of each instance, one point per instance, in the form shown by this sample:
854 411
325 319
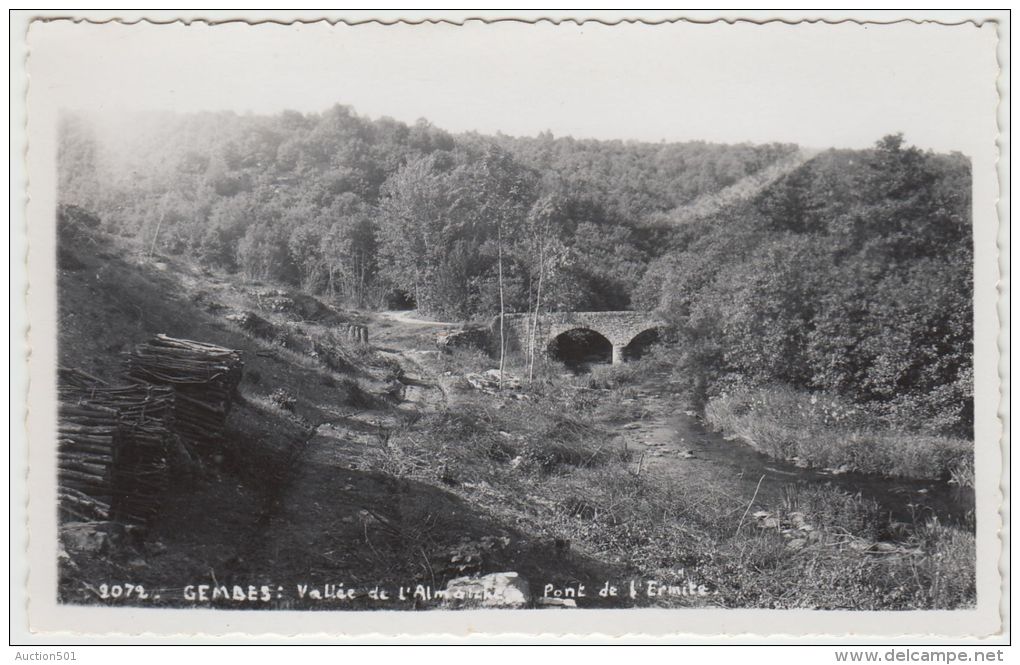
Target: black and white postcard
589 327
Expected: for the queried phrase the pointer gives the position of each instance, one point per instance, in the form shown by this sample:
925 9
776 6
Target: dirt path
347 516
338 520
408 317
411 342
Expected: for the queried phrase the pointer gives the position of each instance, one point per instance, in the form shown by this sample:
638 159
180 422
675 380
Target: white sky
818 85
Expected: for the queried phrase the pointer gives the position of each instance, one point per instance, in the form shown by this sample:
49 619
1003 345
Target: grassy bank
548 459
823 431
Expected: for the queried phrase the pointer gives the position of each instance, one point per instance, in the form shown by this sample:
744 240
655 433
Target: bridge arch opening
642 343
579 347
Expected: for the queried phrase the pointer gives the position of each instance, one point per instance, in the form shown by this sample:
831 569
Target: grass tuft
822 431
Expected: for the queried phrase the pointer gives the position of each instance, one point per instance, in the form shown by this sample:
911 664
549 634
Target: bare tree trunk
360 295
531 311
538 305
155 236
502 310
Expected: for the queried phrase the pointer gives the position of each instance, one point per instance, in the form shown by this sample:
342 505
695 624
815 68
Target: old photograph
550 317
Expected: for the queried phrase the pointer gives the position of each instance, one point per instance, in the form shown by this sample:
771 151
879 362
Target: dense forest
851 275
360 209
846 272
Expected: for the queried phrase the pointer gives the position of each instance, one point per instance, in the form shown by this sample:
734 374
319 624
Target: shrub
824 431
836 510
570 442
282 399
945 576
962 473
618 411
465 360
609 377
357 396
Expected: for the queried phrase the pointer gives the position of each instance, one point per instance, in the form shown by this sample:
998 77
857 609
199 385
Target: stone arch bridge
619 328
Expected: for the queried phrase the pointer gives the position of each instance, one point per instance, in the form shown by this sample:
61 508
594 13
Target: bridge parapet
620 328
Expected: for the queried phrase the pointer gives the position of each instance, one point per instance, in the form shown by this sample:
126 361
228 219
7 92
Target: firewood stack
87 439
204 378
141 471
114 442
128 470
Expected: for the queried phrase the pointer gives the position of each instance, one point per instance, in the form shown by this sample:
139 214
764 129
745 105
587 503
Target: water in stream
905 499
692 452
683 446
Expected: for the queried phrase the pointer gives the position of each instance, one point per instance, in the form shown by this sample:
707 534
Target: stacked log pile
114 442
204 379
87 440
141 468
113 448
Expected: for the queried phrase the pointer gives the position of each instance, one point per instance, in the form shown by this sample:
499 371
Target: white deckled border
37 617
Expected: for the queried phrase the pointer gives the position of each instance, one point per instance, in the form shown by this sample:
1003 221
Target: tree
422 207
349 250
847 272
505 193
541 253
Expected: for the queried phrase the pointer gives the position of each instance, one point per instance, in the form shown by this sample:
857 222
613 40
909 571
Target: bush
73 222
837 510
282 399
824 431
465 360
357 396
945 576
609 377
570 442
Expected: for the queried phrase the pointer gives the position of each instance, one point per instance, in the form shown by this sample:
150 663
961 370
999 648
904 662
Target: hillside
749 187
321 201
801 430
849 275
296 497
384 466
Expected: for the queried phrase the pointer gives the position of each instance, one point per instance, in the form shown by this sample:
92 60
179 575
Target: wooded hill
848 272
356 208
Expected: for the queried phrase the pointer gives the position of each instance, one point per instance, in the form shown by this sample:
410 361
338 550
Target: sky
818 85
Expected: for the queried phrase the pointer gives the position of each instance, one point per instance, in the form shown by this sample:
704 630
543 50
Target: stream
682 446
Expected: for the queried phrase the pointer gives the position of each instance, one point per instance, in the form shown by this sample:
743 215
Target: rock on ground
476 338
503 590
89 537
